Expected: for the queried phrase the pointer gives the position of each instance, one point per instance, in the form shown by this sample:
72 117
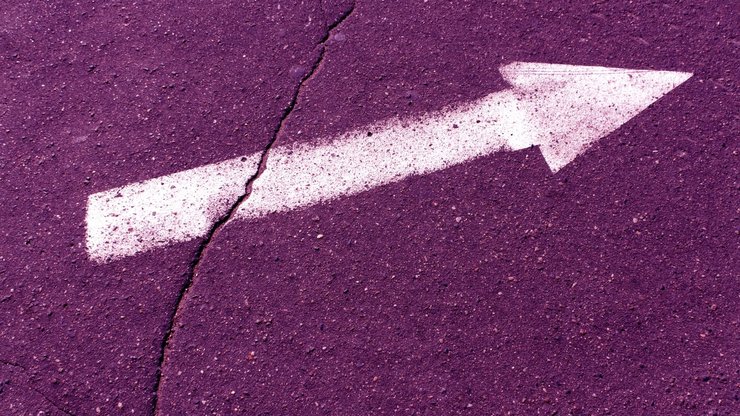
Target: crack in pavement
223 220
51 402
27 384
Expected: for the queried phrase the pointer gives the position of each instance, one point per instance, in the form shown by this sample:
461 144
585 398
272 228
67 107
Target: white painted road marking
562 109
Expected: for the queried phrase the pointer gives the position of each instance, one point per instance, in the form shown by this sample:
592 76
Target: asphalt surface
493 287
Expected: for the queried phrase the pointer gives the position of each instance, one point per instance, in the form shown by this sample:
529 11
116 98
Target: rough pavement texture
491 287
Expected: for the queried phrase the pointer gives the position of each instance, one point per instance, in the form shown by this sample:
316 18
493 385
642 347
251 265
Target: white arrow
562 109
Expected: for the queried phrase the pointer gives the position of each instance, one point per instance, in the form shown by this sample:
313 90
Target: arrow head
568 107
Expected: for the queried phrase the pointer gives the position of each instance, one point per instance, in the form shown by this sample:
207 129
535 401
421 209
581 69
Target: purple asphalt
494 287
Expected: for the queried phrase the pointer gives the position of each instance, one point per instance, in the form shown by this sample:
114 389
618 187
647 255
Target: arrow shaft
182 206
